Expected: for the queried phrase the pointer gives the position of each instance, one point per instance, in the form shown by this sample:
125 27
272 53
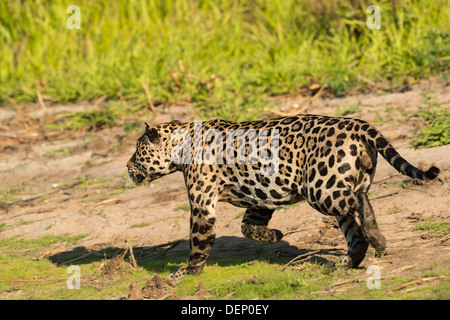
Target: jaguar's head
152 158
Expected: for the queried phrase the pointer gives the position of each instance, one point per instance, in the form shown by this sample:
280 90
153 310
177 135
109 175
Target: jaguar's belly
263 198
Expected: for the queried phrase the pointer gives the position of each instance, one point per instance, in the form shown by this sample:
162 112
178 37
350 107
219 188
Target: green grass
35 245
183 207
255 275
105 117
260 279
436 131
346 110
8 194
141 225
442 228
85 183
226 57
58 153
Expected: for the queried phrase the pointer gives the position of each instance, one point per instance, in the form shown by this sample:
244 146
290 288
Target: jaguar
261 165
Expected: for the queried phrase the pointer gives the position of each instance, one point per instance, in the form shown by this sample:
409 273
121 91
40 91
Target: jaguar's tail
382 145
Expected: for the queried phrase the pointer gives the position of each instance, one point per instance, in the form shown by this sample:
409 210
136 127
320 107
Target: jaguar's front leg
202 235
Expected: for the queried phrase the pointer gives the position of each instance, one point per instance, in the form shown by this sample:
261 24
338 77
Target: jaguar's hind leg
254 226
369 225
356 242
346 206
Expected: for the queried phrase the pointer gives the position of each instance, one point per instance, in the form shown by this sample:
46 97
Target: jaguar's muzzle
137 176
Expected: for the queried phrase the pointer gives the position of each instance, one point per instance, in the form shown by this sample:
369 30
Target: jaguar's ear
152 134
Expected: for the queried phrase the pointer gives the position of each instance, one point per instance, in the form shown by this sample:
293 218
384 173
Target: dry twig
130 249
297 258
300 230
41 101
421 280
20 118
149 96
98 101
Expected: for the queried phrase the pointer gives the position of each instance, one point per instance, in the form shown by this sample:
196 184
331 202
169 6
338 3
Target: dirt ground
76 182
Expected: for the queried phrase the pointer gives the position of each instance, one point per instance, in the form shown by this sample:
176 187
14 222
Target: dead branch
144 85
98 101
130 250
444 238
41 101
296 259
385 196
421 280
20 117
299 230
174 78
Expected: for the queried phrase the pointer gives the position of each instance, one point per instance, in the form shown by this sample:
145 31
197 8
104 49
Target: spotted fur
328 161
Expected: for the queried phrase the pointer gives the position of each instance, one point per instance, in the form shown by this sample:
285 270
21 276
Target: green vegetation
8 194
346 110
442 228
183 207
45 276
436 132
226 57
34 246
85 183
96 119
141 225
58 153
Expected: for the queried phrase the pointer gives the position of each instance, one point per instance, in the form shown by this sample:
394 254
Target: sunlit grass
224 56
38 269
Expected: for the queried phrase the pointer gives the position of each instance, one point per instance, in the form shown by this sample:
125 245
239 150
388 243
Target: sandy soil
74 183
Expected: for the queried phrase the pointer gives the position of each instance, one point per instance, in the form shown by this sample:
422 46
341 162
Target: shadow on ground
227 250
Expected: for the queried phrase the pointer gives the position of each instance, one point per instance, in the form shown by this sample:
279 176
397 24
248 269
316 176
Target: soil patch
155 288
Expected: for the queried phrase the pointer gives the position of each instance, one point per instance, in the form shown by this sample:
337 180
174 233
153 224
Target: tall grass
224 56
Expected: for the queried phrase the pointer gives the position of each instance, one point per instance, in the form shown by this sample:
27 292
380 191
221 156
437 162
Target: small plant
239 216
132 126
393 211
58 153
141 225
346 110
8 194
436 132
85 120
434 226
87 182
104 117
183 207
